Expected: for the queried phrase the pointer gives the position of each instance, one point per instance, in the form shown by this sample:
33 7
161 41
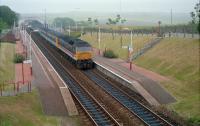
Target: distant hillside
133 18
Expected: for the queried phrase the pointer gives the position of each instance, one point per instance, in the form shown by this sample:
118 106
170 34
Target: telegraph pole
171 17
45 18
61 27
76 26
69 30
131 39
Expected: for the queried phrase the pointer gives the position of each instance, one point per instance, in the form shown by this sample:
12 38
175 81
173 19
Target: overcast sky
54 6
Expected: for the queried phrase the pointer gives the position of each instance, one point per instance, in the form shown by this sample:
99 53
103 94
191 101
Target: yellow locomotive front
83 53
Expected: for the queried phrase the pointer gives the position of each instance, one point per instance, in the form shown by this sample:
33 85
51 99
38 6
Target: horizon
62 6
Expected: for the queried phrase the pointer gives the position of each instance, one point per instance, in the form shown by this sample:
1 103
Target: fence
146 47
11 88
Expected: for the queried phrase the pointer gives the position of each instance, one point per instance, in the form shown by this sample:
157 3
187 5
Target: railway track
96 112
136 96
137 109
143 113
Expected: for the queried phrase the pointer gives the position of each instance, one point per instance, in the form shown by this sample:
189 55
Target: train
77 51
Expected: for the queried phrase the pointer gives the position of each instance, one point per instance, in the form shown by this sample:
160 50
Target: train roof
71 40
79 43
65 38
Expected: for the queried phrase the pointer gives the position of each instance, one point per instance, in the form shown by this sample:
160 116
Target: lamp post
99 40
30 49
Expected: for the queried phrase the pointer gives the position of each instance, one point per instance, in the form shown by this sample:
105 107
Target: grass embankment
178 59
24 109
7 67
108 42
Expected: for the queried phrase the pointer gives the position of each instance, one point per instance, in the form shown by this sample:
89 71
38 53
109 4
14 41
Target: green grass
178 59
115 45
7 67
24 110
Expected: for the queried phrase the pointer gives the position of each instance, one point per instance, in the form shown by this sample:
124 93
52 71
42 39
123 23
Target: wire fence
146 47
11 88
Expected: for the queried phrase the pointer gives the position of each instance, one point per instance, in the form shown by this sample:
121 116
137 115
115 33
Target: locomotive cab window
83 49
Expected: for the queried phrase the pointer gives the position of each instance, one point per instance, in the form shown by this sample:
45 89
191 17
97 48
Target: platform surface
150 89
55 95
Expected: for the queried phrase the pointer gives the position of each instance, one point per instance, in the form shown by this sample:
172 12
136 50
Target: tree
90 20
7 17
114 21
65 22
159 32
3 25
96 22
196 16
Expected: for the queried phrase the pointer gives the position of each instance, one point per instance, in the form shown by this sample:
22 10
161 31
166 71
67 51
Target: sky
59 6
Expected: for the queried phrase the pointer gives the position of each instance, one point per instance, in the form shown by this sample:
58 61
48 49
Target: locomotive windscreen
83 49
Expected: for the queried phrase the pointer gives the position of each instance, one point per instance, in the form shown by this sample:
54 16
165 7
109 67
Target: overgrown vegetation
18 58
74 34
109 54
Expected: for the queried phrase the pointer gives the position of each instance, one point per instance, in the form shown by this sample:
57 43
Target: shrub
194 121
18 58
75 34
109 54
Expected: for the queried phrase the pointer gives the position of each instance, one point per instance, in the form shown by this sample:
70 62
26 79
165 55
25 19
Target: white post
61 27
30 47
81 31
76 26
24 36
69 30
99 39
31 69
131 39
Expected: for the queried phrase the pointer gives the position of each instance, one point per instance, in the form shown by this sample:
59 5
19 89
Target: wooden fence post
14 87
17 87
23 72
3 86
30 86
1 89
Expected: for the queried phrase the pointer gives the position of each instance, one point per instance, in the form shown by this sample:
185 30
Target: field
108 42
178 59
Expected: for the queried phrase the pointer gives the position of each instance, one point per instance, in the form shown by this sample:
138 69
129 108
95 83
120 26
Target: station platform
53 90
139 79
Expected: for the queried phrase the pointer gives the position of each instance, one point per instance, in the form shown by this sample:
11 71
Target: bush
75 34
109 54
194 121
18 58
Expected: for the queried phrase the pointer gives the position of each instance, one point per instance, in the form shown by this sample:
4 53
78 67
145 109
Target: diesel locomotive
77 51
